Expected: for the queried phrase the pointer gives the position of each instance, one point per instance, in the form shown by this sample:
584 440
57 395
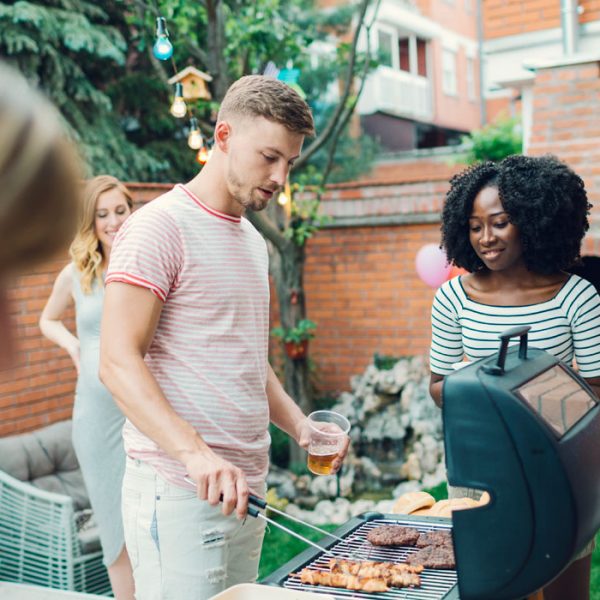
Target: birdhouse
194 83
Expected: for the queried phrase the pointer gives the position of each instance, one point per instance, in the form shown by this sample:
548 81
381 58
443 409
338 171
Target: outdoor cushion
46 459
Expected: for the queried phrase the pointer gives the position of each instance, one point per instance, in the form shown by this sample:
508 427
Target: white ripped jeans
180 547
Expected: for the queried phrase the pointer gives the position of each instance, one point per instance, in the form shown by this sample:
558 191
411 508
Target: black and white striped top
567 326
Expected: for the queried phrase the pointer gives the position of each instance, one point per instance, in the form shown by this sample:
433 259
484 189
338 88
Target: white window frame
449 72
394 44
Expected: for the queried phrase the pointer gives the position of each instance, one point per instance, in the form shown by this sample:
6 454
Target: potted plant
295 339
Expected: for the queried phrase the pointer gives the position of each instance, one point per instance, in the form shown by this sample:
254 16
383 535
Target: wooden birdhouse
194 83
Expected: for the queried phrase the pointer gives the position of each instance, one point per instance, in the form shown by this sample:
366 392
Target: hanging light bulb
286 195
162 49
194 140
202 156
178 108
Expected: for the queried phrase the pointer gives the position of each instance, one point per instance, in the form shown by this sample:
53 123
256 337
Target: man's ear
222 135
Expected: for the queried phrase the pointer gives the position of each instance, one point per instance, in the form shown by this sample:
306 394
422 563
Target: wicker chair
42 502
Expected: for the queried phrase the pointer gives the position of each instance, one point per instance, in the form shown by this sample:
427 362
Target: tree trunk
288 274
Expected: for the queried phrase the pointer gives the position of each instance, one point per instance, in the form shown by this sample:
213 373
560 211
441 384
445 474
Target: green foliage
304 330
280 447
494 141
71 49
384 362
439 492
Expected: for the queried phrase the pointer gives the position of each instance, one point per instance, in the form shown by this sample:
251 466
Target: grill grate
435 583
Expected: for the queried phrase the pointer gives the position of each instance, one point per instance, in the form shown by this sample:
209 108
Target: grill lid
524 427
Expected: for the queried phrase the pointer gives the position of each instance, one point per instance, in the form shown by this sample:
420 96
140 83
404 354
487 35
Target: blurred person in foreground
184 346
39 188
97 421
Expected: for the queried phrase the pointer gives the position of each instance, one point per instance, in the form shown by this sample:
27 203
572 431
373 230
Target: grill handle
521 331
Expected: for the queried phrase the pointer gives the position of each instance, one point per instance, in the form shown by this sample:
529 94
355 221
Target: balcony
397 93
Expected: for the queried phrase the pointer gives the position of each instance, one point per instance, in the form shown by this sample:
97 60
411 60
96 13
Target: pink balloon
432 265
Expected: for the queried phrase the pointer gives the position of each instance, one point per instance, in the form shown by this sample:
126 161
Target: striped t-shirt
209 352
567 326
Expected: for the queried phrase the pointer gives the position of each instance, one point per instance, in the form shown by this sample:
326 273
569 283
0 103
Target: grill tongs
254 503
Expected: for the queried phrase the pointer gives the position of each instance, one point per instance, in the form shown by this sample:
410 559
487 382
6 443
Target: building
425 93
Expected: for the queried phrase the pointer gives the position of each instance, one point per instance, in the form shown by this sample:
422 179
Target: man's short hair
261 96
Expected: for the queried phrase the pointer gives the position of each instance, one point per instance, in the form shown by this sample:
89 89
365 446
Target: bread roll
411 501
444 508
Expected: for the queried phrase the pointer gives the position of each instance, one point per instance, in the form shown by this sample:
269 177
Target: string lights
162 49
178 108
195 140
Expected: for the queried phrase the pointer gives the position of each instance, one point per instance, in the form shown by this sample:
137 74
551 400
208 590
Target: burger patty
393 535
435 538
433 557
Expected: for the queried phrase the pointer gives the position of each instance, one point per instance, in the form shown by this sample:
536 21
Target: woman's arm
50 320
435 388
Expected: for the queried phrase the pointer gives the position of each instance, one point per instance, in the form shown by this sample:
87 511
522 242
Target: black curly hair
544 198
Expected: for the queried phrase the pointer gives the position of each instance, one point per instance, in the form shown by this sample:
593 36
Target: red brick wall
565 123
363 292
512 17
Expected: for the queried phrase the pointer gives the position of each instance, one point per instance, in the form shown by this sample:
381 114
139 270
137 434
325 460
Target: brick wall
512 17
566 106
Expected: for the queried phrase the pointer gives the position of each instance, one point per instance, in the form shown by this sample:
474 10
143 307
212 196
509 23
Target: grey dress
97 425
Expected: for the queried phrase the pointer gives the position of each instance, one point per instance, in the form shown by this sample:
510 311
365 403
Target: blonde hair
86 250
261 96
39 173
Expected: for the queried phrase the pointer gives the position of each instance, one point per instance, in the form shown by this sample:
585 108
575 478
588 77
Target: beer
321 464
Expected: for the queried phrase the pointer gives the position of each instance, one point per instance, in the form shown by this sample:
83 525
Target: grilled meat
440 537
341 580
434 557
393 535
373 568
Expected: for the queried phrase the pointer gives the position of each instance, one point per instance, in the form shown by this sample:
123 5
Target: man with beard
184 353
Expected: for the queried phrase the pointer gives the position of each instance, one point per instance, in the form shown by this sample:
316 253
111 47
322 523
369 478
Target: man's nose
280 173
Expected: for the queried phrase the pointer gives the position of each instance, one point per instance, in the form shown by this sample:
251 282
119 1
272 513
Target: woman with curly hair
517 226
97 421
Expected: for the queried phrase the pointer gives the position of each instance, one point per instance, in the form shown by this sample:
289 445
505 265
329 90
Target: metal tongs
254 503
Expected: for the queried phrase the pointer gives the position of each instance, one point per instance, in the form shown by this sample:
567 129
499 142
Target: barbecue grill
524 427
436 584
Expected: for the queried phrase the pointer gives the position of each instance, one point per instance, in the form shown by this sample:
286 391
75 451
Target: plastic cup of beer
327 437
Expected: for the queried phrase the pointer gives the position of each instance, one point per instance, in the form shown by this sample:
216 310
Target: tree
67 47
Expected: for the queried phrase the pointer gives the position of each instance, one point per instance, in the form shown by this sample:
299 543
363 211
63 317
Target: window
384 46
449 72
404 54
471 78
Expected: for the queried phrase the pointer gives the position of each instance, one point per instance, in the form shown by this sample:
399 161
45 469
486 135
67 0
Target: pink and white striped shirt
209 352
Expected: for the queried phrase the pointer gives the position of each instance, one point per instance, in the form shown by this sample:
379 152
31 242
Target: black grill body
436 584
504 434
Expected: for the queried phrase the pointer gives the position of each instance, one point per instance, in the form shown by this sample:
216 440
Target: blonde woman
38 186
97 422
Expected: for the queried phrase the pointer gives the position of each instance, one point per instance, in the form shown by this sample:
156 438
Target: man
187 288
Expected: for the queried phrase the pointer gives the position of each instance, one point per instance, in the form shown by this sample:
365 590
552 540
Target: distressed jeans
180 547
